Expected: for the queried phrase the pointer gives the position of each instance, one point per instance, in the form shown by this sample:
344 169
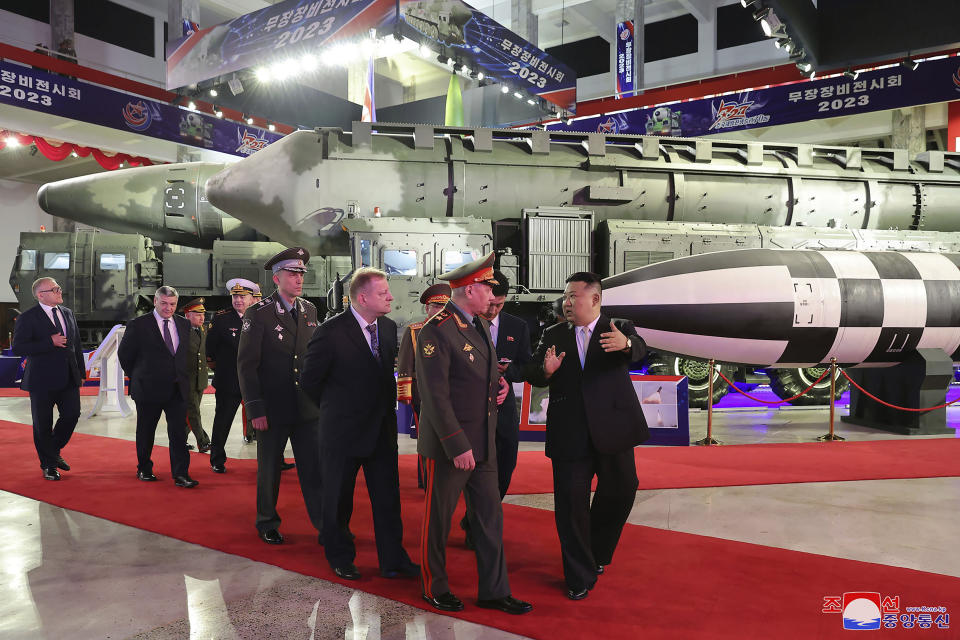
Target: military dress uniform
273 341
197 375
458 380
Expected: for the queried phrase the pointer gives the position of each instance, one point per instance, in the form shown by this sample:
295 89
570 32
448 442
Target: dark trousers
506 463
194 423
227 404
50 438
444 484
383 487
148 415
589 532
305 437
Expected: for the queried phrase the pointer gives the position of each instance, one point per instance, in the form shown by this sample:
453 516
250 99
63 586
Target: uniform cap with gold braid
436 294
240 286
293 259
194 305
478 271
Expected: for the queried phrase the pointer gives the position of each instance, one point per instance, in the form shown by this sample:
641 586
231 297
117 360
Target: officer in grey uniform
460 388
273 341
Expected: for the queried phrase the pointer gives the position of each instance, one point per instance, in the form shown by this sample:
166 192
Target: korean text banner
269 35
39 90
490 47
877 90
624 58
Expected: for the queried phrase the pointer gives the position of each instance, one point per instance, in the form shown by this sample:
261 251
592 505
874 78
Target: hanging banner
488 46
624 59
292 27
58 95
881 89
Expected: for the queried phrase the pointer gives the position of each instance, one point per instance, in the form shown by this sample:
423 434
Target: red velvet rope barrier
63 151
756 399
893 406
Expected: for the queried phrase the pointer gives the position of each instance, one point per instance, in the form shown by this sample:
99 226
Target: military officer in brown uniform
460 388
194 311
433 300
273 341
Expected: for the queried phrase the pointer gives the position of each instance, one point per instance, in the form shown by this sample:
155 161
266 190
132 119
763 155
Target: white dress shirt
174 334
363 328
495 330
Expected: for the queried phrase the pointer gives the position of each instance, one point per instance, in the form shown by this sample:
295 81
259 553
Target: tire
787 383
696 372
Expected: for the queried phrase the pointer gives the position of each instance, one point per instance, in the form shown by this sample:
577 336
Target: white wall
19 211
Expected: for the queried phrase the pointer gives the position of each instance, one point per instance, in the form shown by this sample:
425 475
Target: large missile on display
794 308
297 189
165 202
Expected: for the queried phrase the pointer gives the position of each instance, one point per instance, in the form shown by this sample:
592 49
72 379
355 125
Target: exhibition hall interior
502 319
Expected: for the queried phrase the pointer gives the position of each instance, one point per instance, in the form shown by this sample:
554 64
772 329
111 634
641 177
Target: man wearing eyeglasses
47 335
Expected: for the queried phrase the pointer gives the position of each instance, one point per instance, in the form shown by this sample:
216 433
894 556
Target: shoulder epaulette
440 317
223 311
460 323
416 325
307 303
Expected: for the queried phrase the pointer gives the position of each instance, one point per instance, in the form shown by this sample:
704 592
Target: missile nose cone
42 198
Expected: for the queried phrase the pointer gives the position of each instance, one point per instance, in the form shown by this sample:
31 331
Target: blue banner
880 89
58 95
491 48
624 58
287 28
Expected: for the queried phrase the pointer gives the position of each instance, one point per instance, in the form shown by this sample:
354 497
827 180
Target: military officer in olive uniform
460 388
197 372
273 341
223 338
433 299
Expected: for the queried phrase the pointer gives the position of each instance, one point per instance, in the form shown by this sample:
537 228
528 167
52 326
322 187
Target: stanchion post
708 441
833 403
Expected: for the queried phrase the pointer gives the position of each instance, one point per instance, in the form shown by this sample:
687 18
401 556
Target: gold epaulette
405 389
223 311
440 317
460 323
416 325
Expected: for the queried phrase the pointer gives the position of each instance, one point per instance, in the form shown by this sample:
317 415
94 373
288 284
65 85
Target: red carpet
677 467
17 392
662 584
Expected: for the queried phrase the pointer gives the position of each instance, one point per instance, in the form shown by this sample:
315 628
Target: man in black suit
153 353
222 342
511 337
348 373
47 335
594 421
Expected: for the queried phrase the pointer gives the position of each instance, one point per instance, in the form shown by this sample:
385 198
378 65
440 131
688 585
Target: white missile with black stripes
794 308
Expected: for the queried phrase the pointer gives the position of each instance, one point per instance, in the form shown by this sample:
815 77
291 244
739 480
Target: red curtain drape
64 149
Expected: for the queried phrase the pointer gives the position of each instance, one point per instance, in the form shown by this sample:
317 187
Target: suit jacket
513 342
223 338
269 359
458 382
596 404
49 368
197 360
355 393
152 369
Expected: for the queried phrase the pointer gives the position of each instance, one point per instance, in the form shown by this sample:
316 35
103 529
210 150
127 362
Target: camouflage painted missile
165 202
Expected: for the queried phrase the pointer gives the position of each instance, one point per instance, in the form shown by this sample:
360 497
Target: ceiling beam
603 22
701 9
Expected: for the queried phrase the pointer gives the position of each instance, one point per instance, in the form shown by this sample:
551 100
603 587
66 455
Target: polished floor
70 575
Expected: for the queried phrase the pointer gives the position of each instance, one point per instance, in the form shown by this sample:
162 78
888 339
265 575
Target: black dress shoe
185 481
205 448
190 447
248 439
271 536
218 468
62 464
286 466
51 474
577 594
146 476
405 570
347 572
599 569
509 604
445 602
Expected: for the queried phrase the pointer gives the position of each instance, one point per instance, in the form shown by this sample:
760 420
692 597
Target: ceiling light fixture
213 92
504 89
518 95
217 111
804 66
910 64
272 127
192 105
853 74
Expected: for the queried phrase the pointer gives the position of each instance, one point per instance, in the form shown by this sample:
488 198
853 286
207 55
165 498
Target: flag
369 113
454 112
190 27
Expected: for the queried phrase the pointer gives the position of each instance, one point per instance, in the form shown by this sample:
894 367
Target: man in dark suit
153 354
197 373
222 342
273 340
348 373
511 337
460 389
47 335
594 421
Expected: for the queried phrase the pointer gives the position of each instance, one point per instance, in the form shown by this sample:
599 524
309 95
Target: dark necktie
483 333
56 320
374 343
167 337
